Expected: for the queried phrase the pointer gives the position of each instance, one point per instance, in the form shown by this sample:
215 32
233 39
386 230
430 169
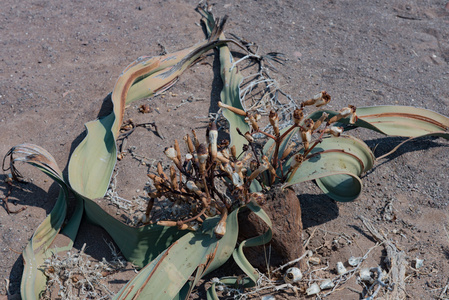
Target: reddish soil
60 59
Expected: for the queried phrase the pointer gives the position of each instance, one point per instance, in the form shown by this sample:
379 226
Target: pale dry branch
290 263
76 276
396 260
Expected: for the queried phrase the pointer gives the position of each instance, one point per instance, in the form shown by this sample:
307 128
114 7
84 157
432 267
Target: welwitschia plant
215 181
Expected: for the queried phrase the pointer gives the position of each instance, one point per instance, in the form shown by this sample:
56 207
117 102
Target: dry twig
395 259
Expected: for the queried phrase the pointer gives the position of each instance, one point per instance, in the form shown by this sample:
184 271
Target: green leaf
239 256
336 164
268 148
230 95
231 282
36 251
139 245
164 277
39 247
226 246
394 120
196 251
403 120
92 162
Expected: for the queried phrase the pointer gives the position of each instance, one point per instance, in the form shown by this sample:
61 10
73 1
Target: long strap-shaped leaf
403 121
231 282
238 254
38 248
230 94
166 275
242 261
138 245
92 162
336 164
226 246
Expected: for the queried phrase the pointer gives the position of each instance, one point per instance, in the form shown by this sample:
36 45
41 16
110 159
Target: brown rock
286 245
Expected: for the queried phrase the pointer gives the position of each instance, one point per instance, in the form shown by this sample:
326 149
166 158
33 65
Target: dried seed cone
178 151
238 166
203 154
324 99
318 100
270 168
191 186
298 115
306 137
196 142
308 124
213 136
173 180
235 110
249 137
263 167
160 171
189 144
253 122
220 229
343 113
334 130
172 154
320 121
233 152
296 162
274 121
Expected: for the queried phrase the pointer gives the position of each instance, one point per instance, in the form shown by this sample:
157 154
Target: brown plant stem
149 208
278 142
252 147
315 143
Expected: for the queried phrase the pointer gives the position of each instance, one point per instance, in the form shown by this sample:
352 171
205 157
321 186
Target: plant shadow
383 145
364 233
15 276
90 235
317 209
23 194
217 84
